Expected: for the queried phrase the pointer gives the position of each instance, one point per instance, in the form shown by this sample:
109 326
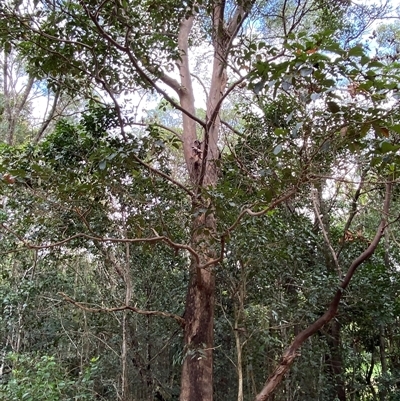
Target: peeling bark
197 370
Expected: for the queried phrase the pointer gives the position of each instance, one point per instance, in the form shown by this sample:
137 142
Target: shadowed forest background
199 200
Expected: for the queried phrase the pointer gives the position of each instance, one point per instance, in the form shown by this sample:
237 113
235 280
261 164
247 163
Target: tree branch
160 126
353 211
324 233
141 72
249 212
217 107
229 126
186 96
150 240
292 351
50 116
245 212
82 306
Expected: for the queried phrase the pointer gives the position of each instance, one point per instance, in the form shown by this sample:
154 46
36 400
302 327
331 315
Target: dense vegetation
224 227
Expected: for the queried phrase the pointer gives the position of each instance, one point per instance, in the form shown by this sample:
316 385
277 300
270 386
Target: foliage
34 377
104 224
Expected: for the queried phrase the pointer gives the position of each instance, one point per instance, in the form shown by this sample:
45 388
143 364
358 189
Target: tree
122 46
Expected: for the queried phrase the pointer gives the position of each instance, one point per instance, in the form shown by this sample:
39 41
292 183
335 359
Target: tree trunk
239 328
201 157
239 362
382 341
335 363
334 357
125 388
197 370
14 102
382 354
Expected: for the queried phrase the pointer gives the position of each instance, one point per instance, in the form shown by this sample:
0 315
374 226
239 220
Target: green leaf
365 128
335 48
328 83
389 147
333 107
376 161
364 60
279 131
376 64
395 128
356 51
7 47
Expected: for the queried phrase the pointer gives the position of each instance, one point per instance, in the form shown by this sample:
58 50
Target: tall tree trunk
382 342
14 100
200 157
239 364
197 369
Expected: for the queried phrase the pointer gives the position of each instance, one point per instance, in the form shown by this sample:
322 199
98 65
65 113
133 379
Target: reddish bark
197 370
